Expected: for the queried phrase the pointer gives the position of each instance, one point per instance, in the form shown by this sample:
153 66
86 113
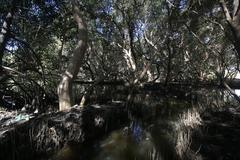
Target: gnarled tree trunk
233 20
6 31
65 86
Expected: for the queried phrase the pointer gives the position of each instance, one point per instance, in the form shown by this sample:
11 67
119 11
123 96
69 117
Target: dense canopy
161 73
134 41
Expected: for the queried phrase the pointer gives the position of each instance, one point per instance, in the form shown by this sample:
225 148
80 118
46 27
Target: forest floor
219 137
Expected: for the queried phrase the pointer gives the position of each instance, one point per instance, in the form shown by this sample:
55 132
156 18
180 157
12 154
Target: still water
160 128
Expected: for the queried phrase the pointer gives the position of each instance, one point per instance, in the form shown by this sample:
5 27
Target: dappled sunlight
119 79
188 121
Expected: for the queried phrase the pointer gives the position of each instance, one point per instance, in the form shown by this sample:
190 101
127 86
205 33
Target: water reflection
136 144
161 129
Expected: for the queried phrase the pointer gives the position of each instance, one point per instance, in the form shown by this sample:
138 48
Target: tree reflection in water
163 131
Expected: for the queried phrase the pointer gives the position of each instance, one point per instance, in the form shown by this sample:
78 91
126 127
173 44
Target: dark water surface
160 128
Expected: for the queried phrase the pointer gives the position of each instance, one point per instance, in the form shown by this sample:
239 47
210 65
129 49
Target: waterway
167 128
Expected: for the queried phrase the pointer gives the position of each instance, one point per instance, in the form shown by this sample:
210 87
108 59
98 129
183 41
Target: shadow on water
160 128
128 143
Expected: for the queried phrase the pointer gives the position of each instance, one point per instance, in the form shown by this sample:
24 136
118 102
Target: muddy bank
43 135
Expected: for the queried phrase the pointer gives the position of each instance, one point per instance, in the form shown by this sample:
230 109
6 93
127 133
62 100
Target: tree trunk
169 64
234 22
65 86
5 31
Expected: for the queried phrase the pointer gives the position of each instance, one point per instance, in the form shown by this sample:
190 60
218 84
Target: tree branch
226 11
236 7
231 91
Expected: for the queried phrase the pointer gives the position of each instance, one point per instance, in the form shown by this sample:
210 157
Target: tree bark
169 64
65 86
234 22
6 31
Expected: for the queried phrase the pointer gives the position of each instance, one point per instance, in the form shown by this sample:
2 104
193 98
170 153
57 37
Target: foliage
166 41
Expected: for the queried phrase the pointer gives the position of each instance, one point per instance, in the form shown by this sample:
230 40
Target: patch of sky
35 10
12 45
99 26
52 4
183 5
175 35
216 9
206 40
109 7
140 27
105 31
